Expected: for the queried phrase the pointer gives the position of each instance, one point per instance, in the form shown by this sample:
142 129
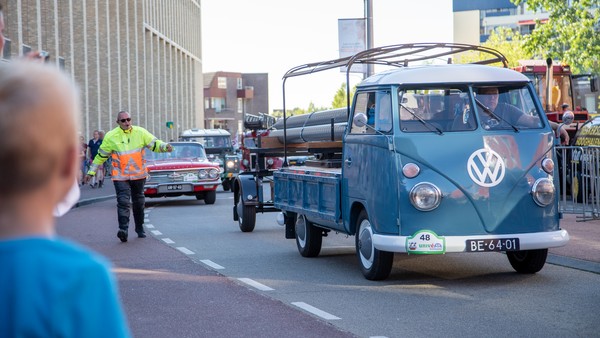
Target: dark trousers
130 194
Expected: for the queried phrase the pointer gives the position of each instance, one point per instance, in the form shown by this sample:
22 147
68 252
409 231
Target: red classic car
185 171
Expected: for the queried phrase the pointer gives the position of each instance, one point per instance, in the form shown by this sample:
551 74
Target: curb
93 200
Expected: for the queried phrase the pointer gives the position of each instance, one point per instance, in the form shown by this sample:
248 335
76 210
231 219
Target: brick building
228 96
143 56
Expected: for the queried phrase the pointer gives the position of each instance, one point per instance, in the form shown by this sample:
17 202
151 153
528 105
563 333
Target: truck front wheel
374 264
308 237
246 216
527 261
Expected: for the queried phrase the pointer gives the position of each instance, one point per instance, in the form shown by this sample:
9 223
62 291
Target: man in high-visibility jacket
126 145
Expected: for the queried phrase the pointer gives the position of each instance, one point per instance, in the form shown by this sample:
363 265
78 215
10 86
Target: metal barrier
579 177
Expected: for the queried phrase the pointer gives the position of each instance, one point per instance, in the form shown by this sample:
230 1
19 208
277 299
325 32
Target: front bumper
530 241
170 188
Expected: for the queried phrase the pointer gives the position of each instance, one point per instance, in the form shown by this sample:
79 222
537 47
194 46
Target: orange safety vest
126 148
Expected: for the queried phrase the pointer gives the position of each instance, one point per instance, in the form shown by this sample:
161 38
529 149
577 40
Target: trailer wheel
309 238
246 216
374 264
210 197
527 261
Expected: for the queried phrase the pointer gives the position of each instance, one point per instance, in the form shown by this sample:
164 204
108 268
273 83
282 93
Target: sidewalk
582 252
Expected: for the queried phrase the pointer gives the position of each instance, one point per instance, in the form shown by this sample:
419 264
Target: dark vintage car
185 171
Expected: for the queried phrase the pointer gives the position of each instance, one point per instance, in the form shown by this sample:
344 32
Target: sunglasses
125 120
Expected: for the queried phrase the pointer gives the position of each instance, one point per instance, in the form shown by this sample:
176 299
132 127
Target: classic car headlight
230 164
425 196
213 173
202 174
245 162
270 161
543 192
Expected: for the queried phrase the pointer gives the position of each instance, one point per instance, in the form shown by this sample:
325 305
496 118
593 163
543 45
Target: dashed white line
315 311
146 220
168 240
212 264
185 250
156 232
255 284
149 226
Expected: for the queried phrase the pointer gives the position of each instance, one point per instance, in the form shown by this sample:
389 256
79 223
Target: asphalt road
165 294
467 295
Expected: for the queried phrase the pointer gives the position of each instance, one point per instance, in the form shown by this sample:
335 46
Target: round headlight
230 164
270 161
213 173
543 192
425 196
202 174
245 162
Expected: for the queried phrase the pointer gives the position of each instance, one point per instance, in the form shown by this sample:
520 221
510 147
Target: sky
273 36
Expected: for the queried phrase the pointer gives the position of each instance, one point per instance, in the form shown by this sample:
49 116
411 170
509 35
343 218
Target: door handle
348 161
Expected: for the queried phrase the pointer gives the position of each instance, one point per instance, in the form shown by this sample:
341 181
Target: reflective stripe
152 144
103 153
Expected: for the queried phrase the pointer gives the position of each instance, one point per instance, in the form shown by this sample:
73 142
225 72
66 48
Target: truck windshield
457 108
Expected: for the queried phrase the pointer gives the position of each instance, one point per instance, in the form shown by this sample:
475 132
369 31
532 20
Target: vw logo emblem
486 168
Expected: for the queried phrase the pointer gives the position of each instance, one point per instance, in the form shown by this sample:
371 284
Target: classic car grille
170 176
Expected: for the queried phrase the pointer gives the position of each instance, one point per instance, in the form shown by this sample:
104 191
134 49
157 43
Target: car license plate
175 187
497 244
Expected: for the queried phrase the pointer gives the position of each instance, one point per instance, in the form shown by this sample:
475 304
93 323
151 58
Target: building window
222 82
218 103
207 103
239 83
240 108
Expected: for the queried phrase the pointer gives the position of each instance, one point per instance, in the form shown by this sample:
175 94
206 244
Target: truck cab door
369 169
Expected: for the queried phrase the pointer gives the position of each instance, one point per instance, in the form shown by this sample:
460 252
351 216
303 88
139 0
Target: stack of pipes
326 125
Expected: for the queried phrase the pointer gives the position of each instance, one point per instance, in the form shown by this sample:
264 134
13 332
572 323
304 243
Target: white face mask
68 201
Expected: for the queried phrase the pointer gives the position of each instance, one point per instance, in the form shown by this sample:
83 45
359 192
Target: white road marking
212 264
168 240
185 250
255 284
149 226
315 311
146 220
156 232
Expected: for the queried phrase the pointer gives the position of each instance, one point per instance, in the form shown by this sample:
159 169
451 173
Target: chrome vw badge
486 168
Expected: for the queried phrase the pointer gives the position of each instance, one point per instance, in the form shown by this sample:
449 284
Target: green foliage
340 98
570 35
298 111
504 40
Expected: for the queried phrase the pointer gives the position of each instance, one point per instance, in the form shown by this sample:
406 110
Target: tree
571 34
340 98
504 40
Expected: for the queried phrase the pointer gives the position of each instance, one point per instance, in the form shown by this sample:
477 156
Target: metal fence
579 176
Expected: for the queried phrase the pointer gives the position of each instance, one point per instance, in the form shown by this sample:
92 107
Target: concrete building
228 96
143 56
475 20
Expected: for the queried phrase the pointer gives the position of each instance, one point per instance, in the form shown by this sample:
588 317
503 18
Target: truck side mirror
594 83
360 120
568 117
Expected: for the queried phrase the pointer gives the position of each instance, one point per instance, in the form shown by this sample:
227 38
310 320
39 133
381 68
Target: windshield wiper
494 115
425 123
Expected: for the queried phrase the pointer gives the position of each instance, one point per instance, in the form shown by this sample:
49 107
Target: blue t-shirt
55 288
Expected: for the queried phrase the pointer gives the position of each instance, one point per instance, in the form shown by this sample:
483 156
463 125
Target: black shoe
141 234
122 234
100 184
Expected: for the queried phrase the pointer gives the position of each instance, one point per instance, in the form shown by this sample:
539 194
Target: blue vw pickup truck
434 159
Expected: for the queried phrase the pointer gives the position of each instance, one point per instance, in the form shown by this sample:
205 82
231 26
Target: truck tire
226 184
309 238
210 197
374 264
246 216
527 261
